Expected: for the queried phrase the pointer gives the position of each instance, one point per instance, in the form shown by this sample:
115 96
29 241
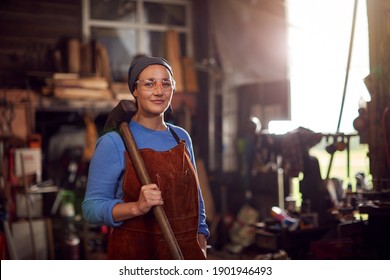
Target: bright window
319 38
130 27
319 44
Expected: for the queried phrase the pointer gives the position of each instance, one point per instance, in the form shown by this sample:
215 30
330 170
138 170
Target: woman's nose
158 89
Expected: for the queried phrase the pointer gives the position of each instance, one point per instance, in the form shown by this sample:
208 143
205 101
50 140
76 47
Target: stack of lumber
82 72
72 86
121 91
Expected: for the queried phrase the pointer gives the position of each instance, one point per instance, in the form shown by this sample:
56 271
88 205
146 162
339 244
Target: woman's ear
135 93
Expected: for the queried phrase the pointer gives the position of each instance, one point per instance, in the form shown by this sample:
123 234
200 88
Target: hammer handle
158 210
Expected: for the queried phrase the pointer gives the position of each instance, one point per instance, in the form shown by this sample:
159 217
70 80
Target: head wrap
140 63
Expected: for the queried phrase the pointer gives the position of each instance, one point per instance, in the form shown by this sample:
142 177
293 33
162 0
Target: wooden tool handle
158 210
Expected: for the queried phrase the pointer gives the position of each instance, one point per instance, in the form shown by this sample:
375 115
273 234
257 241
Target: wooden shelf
48 104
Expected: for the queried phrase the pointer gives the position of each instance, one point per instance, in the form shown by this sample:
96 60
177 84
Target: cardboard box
31 158
23 241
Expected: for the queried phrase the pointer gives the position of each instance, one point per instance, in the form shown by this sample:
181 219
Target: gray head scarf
140 63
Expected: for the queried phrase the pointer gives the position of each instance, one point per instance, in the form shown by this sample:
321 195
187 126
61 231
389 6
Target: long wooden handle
158 211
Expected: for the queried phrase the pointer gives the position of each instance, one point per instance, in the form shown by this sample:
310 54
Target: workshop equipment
120 117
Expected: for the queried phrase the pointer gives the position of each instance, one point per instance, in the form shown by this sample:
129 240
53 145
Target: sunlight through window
319 38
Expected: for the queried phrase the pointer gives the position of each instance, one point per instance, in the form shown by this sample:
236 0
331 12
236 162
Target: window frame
140 26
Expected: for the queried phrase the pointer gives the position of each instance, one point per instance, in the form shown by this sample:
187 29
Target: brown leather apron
140 238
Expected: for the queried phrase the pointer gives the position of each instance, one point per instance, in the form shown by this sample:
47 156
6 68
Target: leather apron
140 238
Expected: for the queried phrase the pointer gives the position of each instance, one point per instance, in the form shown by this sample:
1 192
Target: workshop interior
274 187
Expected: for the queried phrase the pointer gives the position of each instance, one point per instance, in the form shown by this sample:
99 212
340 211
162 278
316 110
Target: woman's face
154 90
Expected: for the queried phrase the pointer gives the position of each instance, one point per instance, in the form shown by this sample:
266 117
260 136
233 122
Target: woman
115 197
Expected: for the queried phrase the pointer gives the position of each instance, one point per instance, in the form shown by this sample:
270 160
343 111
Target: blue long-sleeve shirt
107 166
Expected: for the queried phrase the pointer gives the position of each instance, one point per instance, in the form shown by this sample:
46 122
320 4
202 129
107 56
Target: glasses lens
149 84
166 84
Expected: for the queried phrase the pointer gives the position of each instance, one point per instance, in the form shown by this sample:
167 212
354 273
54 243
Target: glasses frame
155 82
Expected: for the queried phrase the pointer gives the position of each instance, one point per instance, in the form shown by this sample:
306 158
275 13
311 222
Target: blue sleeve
104 189
203 227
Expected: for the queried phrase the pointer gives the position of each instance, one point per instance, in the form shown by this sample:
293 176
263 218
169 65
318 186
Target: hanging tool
346 80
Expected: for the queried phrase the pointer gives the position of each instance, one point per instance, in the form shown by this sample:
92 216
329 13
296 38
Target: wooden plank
42 29
82 93
86 63
102 63
40 17
85 82
173 55
189 75
12 42
73 50
41 7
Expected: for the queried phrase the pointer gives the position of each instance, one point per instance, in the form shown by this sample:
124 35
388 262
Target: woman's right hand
150 195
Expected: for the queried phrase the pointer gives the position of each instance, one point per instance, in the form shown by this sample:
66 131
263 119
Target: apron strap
174 134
